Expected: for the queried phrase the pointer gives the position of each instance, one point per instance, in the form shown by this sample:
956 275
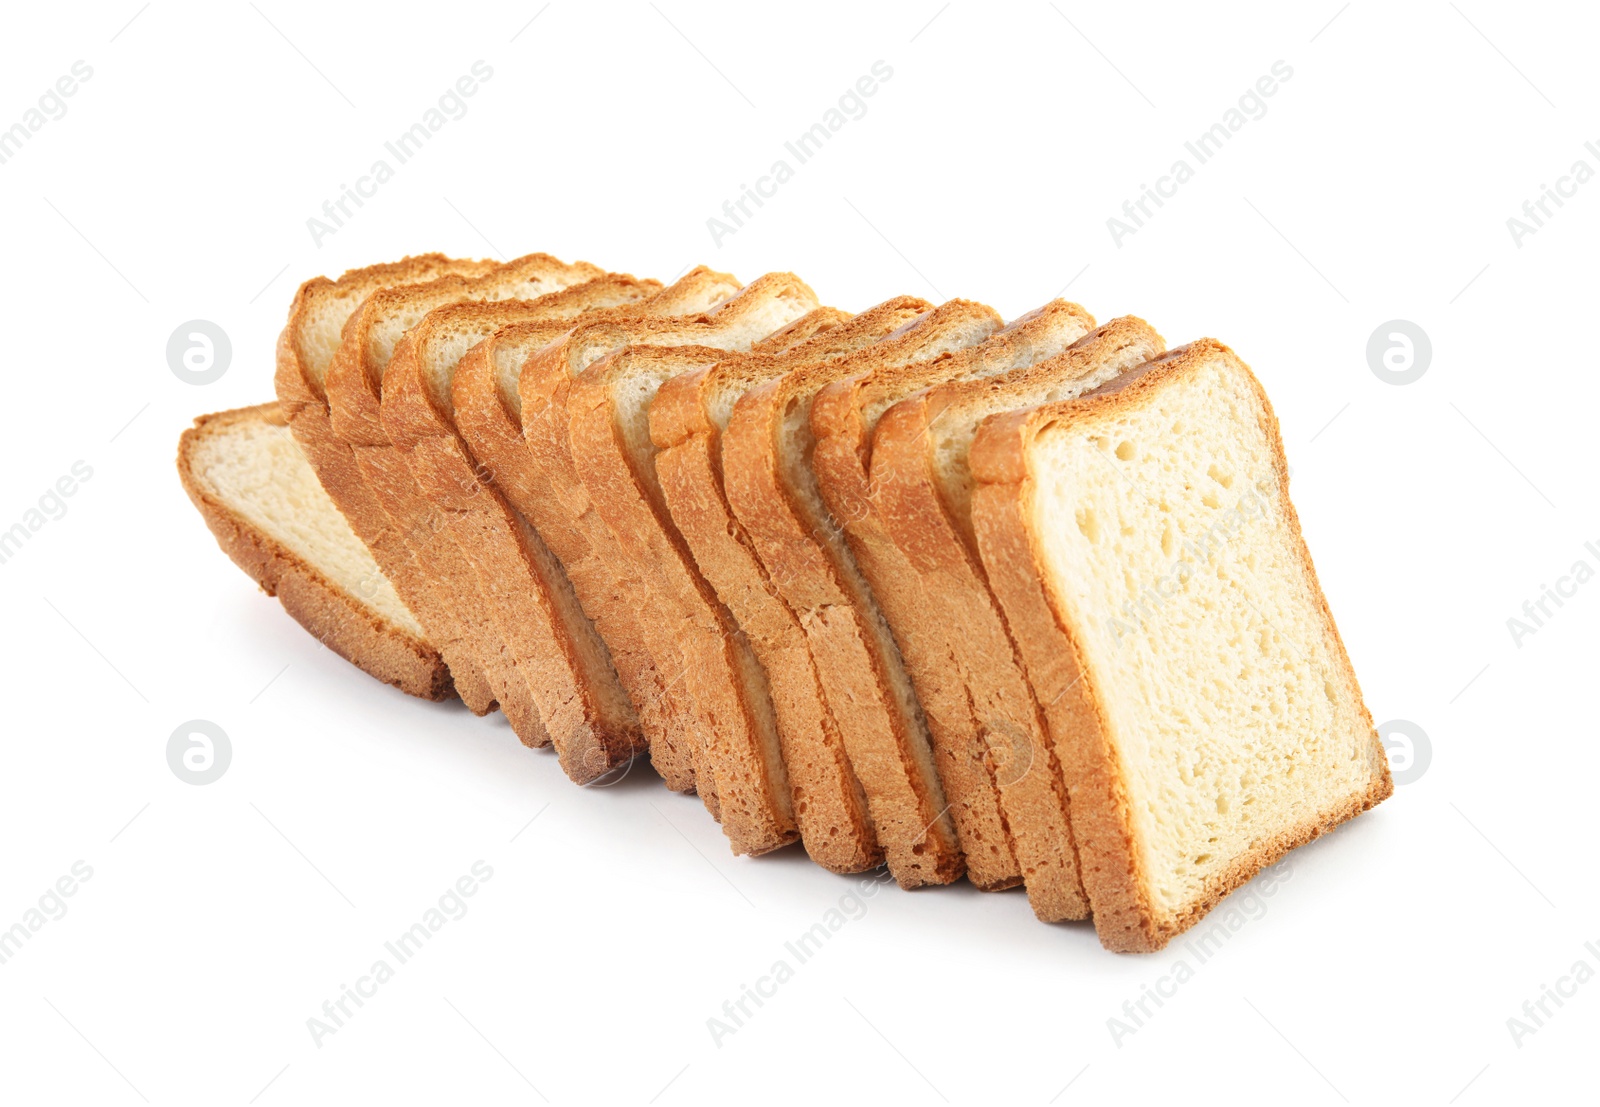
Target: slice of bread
610 439
686 421
561 509
920 490
442 592
536 617
842 420
306 348
262 501
488 412
1151 567
767 475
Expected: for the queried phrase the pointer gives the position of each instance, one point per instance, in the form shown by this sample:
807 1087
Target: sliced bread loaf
610 439
434 584
306 348
842 419
561 509
488 412
686 421
958 637
537 620
772 490
253 486
1151 569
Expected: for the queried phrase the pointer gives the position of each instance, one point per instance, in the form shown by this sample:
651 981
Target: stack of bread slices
1024 602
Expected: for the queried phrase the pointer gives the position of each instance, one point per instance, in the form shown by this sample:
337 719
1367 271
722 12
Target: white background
220 918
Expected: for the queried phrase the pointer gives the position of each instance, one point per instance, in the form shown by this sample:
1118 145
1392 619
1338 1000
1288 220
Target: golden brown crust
996 706
304 403
444 592
843 419
835 825
338 620
1125 917
830 807
803 329
732 708
585 712
491 424
852 656
406 390
559 506
683 408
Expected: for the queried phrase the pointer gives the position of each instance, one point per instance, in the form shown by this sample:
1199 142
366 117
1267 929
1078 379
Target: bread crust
338 620
302 394
581 705
436 584
803 329
855 661
491 422
731 700
843 419
560 507
1125 917
830 807
999 714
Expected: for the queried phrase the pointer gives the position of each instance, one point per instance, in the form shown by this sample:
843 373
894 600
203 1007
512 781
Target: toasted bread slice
610 438
1151 568
488 412
561 510
536 617
432 582
686 421
766 450
306 348
842 421
262 501
920 490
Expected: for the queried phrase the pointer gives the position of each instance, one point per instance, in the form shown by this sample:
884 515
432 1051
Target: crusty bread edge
304 403
753 792
690 474
914 515
335 618
793 555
